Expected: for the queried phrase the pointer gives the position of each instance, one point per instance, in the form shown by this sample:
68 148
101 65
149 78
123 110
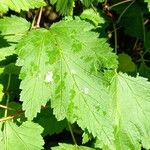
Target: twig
5 107
124 11
11 117
39 17
17 114
8 96
120 3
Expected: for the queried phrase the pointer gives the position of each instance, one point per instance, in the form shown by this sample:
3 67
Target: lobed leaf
26 136
131 103
18 5
65 7
12 30
92 16
35 85
61 64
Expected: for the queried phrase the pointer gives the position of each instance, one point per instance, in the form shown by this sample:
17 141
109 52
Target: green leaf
131 17
148 3
1 92
77 91
26 136
12 30
93 16
33 56
144 70
131 103
100 1
13 25
63 146
50 124
3 8
14 109
125 63
11 72
87 3
53 1
35 93
86 137
146 42
65 7
11 69
20 5
1 86
61 64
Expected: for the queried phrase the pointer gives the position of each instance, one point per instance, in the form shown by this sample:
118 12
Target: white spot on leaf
73 72
49 77
86 91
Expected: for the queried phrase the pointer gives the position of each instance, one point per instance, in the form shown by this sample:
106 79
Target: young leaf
125 63
26 136
92 16
65 7
20 5
131 103
11 31
63 146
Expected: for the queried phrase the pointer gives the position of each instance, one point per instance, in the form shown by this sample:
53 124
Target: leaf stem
8 97
8 84
72 135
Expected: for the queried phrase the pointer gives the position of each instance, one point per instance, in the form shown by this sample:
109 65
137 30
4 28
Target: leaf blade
131 95
63 146
21 136
20 5
12 30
